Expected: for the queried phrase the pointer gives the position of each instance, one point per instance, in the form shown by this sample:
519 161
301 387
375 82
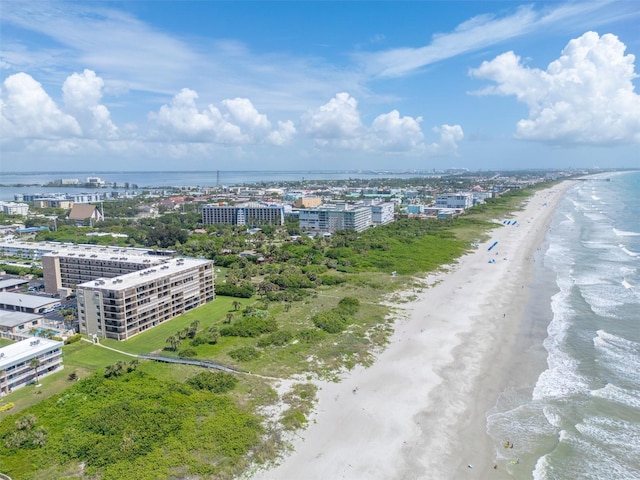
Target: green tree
35 364
173 342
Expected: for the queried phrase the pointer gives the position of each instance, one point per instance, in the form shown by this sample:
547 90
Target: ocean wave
589 459
628 252
622 396
617 435
622 233
618 354
605 299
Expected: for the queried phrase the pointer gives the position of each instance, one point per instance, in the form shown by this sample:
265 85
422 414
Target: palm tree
236 305
173 343
35 363
229 317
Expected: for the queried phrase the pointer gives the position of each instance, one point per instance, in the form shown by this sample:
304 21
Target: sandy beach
419 412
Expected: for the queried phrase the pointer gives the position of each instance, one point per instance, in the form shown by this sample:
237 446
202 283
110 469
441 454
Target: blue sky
239 85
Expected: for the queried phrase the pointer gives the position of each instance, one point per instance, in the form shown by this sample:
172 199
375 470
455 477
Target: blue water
581 418
178 179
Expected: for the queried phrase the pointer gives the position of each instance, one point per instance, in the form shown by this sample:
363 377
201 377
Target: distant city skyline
334 85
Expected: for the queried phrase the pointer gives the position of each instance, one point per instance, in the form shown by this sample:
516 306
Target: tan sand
419 412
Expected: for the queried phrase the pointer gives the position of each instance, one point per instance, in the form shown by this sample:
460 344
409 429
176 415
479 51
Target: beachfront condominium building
71 265
252 214
121 307
454 200
382 213
17 368
329 218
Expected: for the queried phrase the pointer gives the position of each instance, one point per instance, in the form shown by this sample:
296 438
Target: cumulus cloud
237 123
283 135
392 133
82 95
336 122
447 145
338 125
586 96
27 112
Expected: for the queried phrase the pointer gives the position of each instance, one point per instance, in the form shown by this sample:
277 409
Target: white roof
169 268
12 318
12 282
27 301
30 348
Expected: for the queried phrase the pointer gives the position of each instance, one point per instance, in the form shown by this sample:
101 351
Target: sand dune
419 410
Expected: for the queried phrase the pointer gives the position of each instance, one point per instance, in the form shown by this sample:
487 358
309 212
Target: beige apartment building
119 308
68 266
251 214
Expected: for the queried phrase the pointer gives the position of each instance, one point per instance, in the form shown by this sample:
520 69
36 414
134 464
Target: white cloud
485 30
338 125
244 114
28 112
447 144
584 97
238 123
336 122
392 133
283 135
82 95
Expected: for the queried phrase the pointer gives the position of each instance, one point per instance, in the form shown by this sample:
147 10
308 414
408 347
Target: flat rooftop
128 280
16 352
108 256
12 282
62 248
12 318
27 301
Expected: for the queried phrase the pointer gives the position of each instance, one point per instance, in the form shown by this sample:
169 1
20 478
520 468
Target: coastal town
116 292
283 289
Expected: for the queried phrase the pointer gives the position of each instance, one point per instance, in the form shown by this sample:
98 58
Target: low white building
16 368
454 200
18 323
20 302
14 208
382 213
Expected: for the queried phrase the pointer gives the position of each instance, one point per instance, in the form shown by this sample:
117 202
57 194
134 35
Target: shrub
216 382
73 339
330 322
276 338
349 305
199 340
7 406
187 353
249 327
332 279
310 335
244 354
241 291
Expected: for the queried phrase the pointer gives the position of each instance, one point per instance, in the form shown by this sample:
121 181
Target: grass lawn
155 339
4 342
81 357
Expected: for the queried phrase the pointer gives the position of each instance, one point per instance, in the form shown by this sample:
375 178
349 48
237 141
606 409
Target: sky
307 85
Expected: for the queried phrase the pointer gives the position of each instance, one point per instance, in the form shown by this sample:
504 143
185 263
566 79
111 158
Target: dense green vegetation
134 425
292 307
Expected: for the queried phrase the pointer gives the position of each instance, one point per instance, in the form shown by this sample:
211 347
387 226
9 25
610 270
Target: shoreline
420 410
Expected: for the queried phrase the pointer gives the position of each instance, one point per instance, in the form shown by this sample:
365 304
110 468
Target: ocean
146 180
580 417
